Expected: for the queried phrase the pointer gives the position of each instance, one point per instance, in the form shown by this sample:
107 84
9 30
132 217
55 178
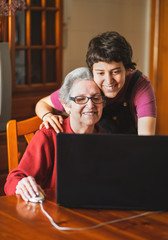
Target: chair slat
29 137
12 145
15 129
28 125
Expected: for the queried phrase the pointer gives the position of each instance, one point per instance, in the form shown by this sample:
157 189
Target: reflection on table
25 220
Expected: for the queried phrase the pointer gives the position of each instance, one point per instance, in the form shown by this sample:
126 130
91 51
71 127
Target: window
35 38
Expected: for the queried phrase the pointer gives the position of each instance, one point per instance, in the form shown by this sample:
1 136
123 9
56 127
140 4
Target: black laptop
112 171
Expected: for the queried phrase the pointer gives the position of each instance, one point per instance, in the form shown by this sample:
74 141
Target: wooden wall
159 61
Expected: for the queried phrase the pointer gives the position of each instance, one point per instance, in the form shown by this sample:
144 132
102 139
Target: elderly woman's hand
28 188
54 120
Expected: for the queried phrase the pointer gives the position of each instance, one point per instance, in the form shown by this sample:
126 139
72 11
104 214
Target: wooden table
20 220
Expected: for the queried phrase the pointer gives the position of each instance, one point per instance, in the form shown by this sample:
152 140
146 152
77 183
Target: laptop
112 171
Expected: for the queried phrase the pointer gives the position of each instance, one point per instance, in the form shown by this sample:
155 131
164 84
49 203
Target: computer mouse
39 198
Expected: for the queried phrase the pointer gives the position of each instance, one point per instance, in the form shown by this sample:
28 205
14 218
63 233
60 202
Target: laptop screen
112 171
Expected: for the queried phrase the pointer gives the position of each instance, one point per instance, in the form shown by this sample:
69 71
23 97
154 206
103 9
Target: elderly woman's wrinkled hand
54 120
28 188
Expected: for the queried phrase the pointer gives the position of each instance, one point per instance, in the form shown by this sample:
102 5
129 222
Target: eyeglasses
97 99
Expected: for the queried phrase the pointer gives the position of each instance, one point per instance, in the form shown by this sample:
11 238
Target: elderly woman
36 171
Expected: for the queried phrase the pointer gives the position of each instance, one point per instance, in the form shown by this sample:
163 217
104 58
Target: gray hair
78 74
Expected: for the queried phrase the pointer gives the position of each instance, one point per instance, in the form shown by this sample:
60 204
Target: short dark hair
107 47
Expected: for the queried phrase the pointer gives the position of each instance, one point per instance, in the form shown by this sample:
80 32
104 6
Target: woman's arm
49 114
145 103
43 106
36 168
146 126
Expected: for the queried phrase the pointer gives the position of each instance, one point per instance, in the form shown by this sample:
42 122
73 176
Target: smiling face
110 77
84 116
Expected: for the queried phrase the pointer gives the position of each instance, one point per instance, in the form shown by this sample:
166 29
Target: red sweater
39 160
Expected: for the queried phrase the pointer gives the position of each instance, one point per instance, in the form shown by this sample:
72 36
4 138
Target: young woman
36 171
130 101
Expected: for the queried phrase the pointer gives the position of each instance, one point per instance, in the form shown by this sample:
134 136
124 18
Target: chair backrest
14 129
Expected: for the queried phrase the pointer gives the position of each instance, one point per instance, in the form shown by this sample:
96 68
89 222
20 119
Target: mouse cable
92 227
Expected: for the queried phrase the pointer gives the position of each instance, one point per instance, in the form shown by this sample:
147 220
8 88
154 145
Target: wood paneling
24 106
159 61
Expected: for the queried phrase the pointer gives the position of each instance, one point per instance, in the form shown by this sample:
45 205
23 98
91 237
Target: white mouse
39 198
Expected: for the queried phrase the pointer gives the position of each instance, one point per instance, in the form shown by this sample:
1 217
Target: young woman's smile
110 77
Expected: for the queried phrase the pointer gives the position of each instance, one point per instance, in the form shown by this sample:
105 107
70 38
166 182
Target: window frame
43 86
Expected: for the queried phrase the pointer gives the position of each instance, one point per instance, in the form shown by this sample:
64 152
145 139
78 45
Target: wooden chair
13 130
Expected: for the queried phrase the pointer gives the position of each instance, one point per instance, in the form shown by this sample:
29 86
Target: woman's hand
28 188
54 120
